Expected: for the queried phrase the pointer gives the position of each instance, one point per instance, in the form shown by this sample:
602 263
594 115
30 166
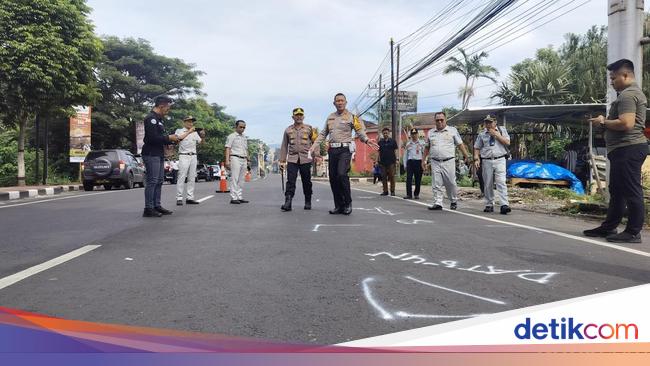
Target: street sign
407 101
80 134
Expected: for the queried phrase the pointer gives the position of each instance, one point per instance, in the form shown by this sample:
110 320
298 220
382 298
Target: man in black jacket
154 157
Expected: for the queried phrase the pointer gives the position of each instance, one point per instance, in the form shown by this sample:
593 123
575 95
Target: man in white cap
491 147
189 137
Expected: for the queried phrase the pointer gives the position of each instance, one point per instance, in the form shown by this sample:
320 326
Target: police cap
162 99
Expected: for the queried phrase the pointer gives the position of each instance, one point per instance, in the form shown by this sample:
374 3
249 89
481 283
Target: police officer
189 138
414 150
339 126
627 149
237 161
296 142
491 148
441 149
153 155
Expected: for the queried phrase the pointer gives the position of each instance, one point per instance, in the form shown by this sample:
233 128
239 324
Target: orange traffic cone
223 183
247 177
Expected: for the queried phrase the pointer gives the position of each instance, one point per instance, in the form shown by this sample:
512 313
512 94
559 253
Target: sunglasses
242 127
440 120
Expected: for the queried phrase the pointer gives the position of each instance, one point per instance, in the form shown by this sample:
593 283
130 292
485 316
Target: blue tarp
537 170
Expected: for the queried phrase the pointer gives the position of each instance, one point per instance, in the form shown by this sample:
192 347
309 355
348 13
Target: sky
263 58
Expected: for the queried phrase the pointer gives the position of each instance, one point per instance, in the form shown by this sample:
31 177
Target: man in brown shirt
339 127
296 141
627 149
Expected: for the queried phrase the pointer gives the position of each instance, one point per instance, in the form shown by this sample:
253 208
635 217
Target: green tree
130 75
472 68
47 54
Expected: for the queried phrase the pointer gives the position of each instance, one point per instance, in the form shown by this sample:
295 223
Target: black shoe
179 202
243 201
408 197
192 202
162 210
384 194
150 212
392 193
416 197
453 206
335 211
624 237
234 202
488 209
505 209
434 208
599 232
347 210
307 203
287 204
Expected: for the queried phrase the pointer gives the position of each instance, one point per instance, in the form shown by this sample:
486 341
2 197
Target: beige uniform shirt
238 144
340 126
296 142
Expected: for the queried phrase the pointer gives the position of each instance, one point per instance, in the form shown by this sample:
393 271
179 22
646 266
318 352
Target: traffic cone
247 177
223 183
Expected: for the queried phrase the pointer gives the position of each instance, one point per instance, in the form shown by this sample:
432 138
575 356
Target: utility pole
399 134
46 150
393 101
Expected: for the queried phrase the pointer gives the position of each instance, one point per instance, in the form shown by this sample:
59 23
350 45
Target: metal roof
561 113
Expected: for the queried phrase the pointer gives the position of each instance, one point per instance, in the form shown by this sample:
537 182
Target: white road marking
10 280
366 291
532 228
404 314
317 226
205 198
455 291
414 221
61 198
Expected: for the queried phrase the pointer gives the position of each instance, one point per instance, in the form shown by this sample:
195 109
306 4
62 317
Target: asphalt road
302 276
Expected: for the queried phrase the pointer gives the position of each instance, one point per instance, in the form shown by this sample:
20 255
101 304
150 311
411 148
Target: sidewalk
13 193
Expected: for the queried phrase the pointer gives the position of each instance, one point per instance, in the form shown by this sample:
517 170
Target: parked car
203 172
216 171
171 171
112 168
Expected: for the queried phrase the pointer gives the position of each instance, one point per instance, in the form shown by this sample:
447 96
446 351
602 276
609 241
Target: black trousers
339 166
413 168
625 188
305 177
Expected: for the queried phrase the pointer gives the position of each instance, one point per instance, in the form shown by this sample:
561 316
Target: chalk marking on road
318 226
378 211
404 314
205 198
60 198
414 221
10 280
455 291
532 228
524 274
366 291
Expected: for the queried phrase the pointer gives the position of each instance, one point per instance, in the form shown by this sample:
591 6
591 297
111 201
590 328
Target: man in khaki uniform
237 161
296 142
339 126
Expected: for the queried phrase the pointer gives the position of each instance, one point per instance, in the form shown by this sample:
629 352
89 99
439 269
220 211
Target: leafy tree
47 54
130 75
472 68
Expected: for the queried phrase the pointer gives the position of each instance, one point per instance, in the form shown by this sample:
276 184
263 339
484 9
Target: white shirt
188 144
442 144
494 149
238 144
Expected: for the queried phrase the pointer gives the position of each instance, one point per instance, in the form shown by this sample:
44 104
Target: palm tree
472 68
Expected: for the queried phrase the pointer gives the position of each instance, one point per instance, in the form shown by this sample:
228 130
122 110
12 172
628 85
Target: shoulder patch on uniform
153 121
356 121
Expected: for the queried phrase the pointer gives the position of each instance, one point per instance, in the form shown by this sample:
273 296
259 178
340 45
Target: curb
29 193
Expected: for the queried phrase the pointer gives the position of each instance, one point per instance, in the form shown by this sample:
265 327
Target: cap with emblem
189 118
489 118
298 111
413 131
163 99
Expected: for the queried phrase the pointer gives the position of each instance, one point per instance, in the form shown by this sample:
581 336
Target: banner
80 134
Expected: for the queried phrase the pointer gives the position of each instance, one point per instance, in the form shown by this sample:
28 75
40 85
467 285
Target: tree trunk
469 92
21 150
465 94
